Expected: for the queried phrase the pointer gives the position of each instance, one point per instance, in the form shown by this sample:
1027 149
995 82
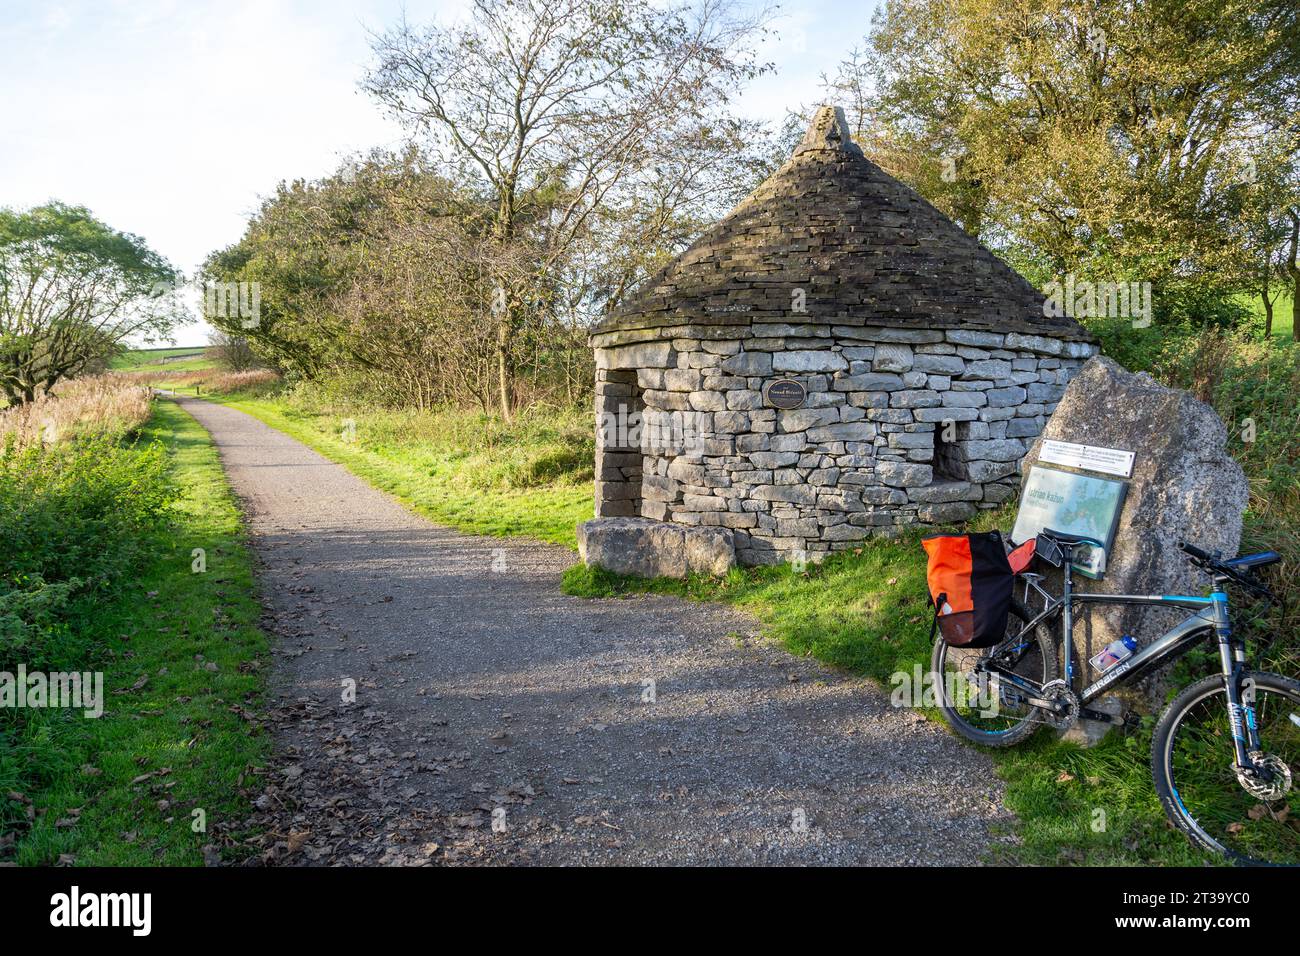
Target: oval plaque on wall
786 393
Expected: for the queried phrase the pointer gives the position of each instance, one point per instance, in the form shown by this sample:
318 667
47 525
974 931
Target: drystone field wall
899 426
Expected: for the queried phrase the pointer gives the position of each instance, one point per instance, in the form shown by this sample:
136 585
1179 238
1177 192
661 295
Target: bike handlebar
1212 563
1195 552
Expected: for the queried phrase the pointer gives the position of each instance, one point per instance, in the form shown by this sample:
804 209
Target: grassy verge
182 659
531 479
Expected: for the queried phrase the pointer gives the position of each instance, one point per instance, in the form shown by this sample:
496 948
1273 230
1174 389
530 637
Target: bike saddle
1260 560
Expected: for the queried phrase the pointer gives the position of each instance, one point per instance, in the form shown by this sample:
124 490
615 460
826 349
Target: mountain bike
1225 751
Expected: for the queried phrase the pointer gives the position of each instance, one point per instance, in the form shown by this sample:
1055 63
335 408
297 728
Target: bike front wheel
1251 820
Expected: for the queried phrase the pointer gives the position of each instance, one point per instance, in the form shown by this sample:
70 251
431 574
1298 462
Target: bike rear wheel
964 703
1193 760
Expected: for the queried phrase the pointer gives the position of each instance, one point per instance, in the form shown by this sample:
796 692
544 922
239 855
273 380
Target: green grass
184 731
1061 792
1281 315
200 364
462 469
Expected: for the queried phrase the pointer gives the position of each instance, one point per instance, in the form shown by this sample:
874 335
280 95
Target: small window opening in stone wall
621 405
948 463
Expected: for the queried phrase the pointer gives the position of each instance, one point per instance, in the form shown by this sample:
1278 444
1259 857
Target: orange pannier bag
970 583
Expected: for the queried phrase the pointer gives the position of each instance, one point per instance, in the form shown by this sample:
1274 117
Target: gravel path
498 720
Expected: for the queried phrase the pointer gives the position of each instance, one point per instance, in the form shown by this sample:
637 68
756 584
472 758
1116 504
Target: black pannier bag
970 583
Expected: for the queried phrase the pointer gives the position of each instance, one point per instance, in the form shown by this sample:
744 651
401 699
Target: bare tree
553 107
232 352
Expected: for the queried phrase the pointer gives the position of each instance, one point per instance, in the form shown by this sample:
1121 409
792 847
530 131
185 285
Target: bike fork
1240 693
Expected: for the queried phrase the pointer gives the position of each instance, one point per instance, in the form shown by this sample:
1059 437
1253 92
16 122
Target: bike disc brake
1278 784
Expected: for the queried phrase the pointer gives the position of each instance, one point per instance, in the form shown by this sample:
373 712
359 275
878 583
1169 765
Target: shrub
1252 384
75 518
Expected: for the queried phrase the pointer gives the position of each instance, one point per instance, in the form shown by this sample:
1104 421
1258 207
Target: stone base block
655 549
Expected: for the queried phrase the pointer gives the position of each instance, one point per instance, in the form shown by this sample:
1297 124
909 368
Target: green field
183 663
151 360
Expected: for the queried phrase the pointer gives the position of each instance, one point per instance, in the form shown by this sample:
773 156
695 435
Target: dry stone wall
899 426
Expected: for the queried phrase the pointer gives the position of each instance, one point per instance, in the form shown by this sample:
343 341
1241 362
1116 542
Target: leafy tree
375 273
72 291
300 250
1094 136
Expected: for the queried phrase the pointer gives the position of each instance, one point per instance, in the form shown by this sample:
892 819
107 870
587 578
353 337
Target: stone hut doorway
620 405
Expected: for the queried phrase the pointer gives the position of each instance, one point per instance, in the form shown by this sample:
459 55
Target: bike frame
1211 617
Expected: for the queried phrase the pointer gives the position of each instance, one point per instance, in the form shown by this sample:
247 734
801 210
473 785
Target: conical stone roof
863 248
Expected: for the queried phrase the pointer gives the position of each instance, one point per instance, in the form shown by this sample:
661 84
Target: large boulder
1184 486
655 549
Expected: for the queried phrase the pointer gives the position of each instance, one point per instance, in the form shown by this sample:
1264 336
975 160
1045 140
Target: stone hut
833 360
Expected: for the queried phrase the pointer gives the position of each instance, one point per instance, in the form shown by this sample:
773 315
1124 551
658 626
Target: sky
172 119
